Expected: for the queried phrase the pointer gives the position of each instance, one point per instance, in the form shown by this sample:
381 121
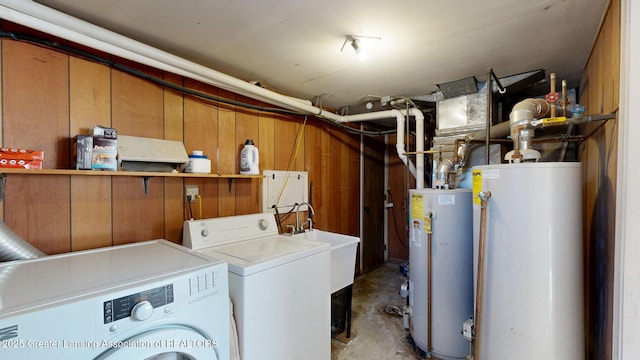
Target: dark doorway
372 241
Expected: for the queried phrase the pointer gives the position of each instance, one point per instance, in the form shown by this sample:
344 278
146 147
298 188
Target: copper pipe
484 200
489 116
515 136
429 278
553 90
564 98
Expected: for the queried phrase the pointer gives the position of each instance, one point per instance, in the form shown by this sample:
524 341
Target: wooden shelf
145 175
122 173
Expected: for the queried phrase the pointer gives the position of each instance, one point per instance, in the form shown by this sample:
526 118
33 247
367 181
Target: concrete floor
378 334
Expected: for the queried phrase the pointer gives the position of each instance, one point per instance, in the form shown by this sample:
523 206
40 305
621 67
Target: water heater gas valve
467 329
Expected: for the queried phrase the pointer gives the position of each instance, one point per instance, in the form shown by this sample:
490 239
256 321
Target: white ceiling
294 47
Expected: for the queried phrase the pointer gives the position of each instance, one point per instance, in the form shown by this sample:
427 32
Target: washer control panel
122 307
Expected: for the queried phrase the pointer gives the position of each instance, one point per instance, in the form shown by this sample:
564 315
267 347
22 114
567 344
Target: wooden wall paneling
137 104
201 122
90 105
332 160
286 132
614 14
137 110
590 175
37 210
354 185
266 135
605 38
322 186
248 197
397 216
349 184
36 116
313 162
599 157
201 133
37 107
287 128
136 216
173 188
228 155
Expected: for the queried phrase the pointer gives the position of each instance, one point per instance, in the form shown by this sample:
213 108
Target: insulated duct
12 247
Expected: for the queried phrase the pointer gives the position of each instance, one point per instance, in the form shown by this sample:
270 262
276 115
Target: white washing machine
280 286
148 300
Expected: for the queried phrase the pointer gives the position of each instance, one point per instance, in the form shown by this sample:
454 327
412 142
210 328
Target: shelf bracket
145 184
3 184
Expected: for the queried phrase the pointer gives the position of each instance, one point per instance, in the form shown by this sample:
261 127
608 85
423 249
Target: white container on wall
533 285
451 269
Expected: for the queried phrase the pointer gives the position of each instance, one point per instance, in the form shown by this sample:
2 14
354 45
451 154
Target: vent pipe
12 247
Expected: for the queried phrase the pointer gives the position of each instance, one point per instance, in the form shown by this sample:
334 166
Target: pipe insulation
12 247
56 23
419 118
48 20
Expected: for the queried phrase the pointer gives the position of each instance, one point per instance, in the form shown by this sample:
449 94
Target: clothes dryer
148 300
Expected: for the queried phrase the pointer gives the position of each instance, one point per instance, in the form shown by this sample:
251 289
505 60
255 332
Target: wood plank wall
48 97
599 93
397 193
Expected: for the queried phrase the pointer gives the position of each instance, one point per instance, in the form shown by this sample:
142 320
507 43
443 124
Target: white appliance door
174 342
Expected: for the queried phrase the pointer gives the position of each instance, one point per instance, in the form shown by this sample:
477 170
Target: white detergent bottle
249 159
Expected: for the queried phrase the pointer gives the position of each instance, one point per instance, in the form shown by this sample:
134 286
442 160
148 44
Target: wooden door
372 241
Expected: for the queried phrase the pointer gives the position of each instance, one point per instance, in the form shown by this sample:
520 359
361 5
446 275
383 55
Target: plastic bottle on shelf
249 159
198 163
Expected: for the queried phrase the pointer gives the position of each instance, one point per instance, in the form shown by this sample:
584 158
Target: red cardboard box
21 158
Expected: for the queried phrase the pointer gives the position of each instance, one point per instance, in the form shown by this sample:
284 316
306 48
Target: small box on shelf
105 149
21 158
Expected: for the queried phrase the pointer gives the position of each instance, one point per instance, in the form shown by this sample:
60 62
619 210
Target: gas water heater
532 303
440 270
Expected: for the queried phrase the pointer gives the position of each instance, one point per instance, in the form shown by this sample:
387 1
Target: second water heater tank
533 304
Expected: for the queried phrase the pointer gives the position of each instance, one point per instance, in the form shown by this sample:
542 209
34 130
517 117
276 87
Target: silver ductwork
12 247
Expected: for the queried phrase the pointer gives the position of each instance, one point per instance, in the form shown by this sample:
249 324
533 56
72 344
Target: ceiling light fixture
360 44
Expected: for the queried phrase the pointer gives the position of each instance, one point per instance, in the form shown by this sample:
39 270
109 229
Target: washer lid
251 256
51 279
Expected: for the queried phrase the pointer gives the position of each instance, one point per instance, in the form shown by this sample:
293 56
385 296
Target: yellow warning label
477 185
417 206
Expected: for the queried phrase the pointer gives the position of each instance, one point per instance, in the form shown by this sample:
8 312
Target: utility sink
343 255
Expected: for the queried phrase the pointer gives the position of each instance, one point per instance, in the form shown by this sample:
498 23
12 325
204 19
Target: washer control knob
205 232
142 310
263 224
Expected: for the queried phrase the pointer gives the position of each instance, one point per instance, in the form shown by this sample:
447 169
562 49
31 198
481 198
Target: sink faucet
298 228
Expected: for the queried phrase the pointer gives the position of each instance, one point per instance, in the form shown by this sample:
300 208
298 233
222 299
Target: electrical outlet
191 190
